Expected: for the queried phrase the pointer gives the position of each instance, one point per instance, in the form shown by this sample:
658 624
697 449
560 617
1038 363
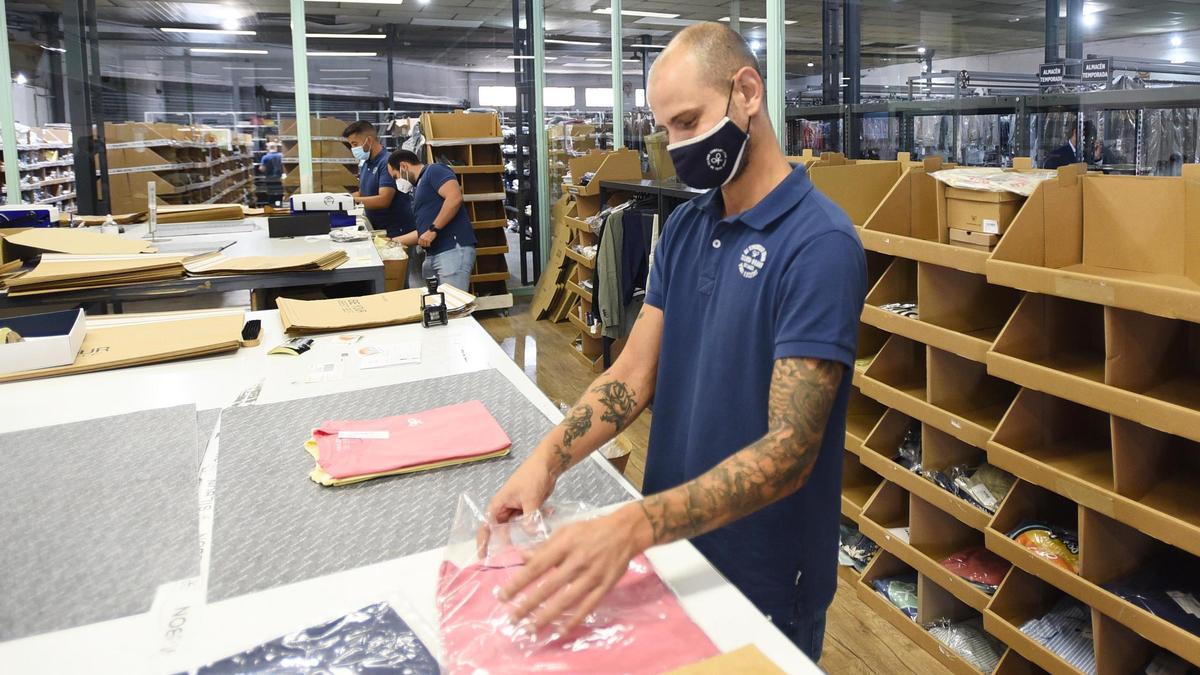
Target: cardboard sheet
367 311
745 661
96 515
77 241
127 345
274 526
223 264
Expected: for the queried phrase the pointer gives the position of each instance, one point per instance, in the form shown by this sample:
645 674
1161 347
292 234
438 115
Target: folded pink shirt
457 432
639 627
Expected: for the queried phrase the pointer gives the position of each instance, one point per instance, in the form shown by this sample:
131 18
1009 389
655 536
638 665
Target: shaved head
717 50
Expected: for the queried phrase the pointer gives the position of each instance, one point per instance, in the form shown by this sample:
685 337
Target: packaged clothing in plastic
857 548
985 485
980 567
372 640
1058 546
901 591
1167 587
967 639
909 452
1066 630
994 180
348 451
1166 663
639 627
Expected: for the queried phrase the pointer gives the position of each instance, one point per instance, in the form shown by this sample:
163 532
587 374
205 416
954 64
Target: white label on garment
365 435
176 611
1187 602
990 226
983 495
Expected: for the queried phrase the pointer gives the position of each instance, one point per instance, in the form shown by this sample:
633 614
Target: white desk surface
146 643
257 242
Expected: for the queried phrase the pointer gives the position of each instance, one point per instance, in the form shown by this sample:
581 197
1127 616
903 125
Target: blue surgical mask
360 153
713 158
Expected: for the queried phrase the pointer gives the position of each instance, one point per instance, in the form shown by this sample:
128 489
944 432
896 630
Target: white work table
364 266
201 633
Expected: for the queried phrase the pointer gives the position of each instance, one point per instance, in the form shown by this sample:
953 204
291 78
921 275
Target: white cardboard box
322 201
50 340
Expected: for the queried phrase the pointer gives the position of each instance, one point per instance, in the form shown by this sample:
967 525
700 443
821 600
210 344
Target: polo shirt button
716 243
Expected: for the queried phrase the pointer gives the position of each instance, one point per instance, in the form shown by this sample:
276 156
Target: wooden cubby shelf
1022 598
863 413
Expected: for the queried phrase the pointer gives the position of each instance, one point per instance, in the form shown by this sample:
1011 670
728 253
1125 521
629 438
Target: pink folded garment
434 437
639 627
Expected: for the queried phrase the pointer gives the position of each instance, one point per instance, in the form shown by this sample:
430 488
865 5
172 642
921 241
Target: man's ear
749 87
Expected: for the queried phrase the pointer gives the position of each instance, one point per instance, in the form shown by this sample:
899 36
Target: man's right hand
525 491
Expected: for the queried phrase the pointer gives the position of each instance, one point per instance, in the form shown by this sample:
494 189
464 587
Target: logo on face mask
752 261
717 159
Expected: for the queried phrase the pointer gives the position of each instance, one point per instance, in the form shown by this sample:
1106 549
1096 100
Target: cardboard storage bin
482 184
1120 650
886 509
858 484
487 156
458 125
981 211
453 156
935 535
610 165
897 285
939 452
870 341
877 264
970 403
486 212
1012 663
1060 445
862 415
977 241
1154 366
857 188
1021 598
962 313
1123 241
1112 551
1051 344
897 376
1157 474
1028 503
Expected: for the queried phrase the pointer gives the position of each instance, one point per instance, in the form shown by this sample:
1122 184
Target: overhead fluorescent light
250 68
207 31
345 70
651 21
341 53
446 23
346 79
754 19
60 50
210 50
584 43
634 12
530 58
362 2
584 65
610 60
346 36
920 50
647 46
1176 41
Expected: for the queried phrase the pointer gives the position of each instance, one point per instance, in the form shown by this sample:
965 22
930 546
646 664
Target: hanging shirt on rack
608 276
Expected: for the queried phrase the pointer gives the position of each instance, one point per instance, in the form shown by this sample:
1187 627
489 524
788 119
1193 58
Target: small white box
49 340
321 201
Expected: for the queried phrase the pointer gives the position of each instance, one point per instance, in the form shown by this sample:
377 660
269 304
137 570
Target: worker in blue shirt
271 165
387 206
746 346
444 228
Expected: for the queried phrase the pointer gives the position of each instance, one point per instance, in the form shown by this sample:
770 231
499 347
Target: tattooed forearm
577 423
773 467
562 460
618 401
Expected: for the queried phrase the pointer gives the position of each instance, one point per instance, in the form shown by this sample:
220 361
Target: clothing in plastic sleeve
967 639
378 638
979 566
901 591
639 627
1056 545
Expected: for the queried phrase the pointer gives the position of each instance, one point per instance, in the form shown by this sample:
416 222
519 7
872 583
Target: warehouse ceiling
477 34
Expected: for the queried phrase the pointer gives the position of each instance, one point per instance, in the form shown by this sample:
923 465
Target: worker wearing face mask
444 229
388 205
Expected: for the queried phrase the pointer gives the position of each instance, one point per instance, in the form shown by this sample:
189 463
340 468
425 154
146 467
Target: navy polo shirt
397 219
786 278
427 203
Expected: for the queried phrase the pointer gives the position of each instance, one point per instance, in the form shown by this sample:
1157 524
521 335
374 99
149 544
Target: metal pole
618 73
391 86
537 125
303 121
95 98
776 69
852 66
735 16
645 71
831 68
1051 31
79 108
58 102
8 127
1074 38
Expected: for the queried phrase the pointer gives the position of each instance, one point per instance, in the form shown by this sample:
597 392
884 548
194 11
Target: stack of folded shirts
351 451
302 317
57 273
225 265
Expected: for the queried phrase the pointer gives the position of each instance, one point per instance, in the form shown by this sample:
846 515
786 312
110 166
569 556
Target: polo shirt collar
778 202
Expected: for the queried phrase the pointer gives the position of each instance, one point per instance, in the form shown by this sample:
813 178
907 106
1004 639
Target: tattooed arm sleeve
612 402
773 467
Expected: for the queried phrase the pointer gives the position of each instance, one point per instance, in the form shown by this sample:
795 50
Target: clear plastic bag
639 627
967 639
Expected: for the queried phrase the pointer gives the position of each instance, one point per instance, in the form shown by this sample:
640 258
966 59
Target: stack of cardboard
261 264
128 341
73 241
58 273
368 311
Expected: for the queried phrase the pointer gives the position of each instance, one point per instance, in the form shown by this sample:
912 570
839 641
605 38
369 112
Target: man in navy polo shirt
445 230
746 347
388 207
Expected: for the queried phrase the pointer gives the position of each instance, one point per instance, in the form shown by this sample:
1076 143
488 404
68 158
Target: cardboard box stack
469 143
334 166
1049 393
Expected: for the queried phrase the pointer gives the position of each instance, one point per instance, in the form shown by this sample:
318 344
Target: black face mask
713 158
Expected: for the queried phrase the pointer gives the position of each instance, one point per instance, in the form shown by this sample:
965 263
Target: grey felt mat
274 526
206 423
95 516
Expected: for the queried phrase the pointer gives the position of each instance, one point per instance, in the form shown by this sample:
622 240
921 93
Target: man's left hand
427 238
580 563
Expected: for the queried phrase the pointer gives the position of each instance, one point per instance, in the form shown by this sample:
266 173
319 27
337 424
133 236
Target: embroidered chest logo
717 159
752 261
414 422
